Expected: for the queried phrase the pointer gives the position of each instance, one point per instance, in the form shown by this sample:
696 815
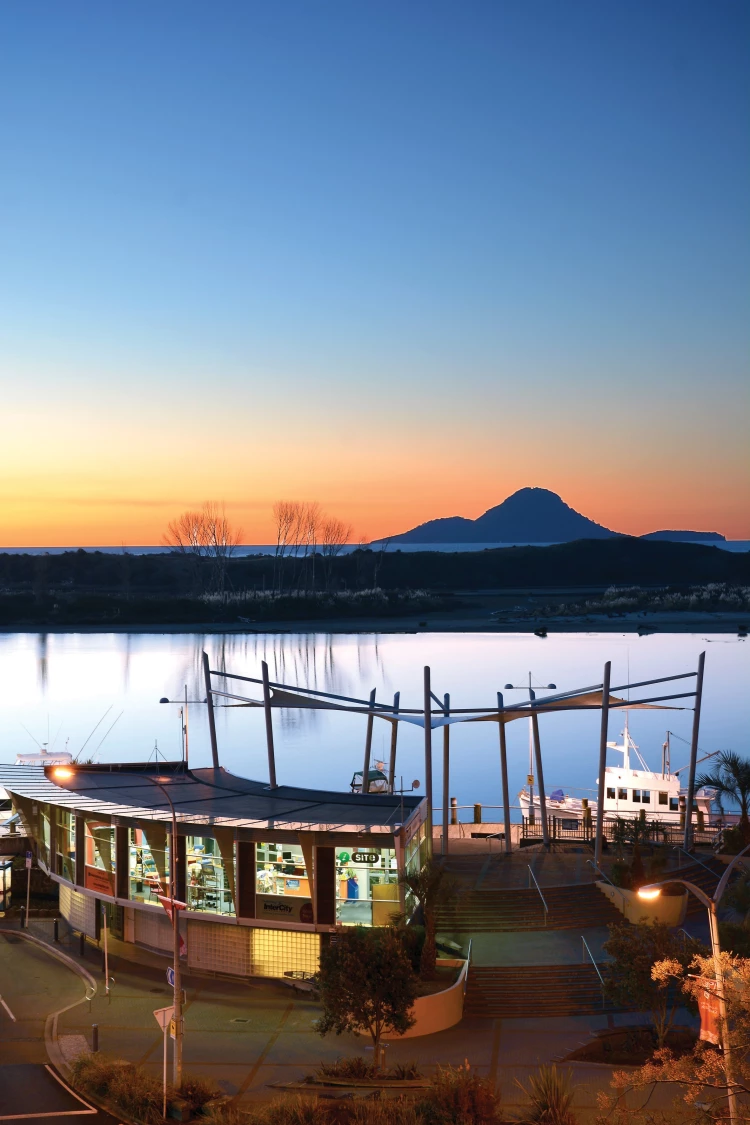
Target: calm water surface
64 683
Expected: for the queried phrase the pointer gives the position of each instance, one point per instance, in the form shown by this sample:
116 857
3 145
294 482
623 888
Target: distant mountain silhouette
531 515
686 536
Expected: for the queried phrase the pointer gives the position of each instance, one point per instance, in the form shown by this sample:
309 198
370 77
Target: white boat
627 791
41 757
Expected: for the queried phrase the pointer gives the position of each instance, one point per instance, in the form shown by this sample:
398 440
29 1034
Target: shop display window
45 835
210 882
66 845
367 891
148 868
280 870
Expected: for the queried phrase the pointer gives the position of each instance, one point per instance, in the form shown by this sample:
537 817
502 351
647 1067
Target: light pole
652 890
66 772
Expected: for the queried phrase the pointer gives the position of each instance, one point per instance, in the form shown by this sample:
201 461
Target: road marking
265 1052
7 1009
70 1090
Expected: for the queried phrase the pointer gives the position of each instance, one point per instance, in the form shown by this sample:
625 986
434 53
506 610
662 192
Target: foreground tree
699 1078
730 778
628 976
366 984
432 887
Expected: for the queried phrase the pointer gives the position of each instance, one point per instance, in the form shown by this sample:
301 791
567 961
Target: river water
59 686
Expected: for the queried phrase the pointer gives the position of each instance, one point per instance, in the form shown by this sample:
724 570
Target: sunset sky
399 257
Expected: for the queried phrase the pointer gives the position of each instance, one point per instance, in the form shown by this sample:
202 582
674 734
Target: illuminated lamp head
62 773
649 892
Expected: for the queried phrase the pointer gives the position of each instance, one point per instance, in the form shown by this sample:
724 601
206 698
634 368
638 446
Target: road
33 986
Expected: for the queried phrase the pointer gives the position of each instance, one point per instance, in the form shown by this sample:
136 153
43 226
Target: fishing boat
627 790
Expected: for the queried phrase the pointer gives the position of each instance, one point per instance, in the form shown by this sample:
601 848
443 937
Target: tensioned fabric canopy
589 699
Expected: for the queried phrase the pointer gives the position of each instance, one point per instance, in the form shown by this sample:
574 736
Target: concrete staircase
515 991
493 911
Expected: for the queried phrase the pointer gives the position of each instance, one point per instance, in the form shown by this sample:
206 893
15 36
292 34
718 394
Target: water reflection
75 678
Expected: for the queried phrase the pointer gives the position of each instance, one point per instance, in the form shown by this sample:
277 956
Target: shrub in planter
460 1096
551 1094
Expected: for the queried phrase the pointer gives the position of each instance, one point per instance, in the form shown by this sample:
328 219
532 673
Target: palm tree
731 781
432 887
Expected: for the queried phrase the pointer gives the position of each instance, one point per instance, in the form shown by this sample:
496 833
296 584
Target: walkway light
62 773
649 892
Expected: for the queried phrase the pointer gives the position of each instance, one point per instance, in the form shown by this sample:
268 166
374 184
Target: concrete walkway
246 1036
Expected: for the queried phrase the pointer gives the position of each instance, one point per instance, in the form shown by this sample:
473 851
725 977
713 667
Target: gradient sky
401 258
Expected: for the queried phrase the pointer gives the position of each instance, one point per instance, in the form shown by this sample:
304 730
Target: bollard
82 949
701 820
55 930
477 814
94 1037
23 917
454 810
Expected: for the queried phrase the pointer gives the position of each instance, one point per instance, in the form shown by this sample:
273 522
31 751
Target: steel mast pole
446 771
602 765
504 775
428 756
688 838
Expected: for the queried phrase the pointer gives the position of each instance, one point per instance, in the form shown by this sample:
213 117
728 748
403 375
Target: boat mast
666 764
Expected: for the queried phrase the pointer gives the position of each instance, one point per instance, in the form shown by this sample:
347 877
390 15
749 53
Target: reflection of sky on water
69 680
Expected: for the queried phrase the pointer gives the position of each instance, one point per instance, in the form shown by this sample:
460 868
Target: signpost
165 1019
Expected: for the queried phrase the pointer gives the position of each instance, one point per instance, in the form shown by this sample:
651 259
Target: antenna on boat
666 763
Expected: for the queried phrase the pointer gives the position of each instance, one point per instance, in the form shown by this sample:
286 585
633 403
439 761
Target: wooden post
602 765
269 727
368 745
688 838
504 775
210 704
539 773
394 740
446 771
428 757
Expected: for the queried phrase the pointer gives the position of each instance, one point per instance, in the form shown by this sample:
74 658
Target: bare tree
334 536
285 513
206 534
221 540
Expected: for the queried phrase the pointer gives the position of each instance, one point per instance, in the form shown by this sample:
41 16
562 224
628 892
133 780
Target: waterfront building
266 875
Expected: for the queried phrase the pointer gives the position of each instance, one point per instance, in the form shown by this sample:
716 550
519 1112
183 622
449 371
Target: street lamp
653 890
64 773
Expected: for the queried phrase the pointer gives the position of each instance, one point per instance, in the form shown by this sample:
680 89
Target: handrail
608 880
593 962
694 859
544 901
468 966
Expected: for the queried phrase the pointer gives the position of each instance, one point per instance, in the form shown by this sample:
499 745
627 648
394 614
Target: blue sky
373 231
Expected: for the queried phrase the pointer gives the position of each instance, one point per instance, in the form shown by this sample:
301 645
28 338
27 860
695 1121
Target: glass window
663 798
645 796
636 796
674 803
66 845
610 794
148 868
45 836
280 870
622 794
99 870
210 876
367 890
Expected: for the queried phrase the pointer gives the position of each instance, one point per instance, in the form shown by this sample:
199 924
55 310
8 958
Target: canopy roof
205 797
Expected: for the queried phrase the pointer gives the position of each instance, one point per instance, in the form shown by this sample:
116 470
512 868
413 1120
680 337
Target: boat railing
607 879
544 901
586 950
694 859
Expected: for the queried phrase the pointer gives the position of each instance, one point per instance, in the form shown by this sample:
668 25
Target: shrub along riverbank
92 588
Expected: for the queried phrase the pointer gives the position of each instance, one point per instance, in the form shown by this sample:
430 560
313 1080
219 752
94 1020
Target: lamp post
652 890
66 772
